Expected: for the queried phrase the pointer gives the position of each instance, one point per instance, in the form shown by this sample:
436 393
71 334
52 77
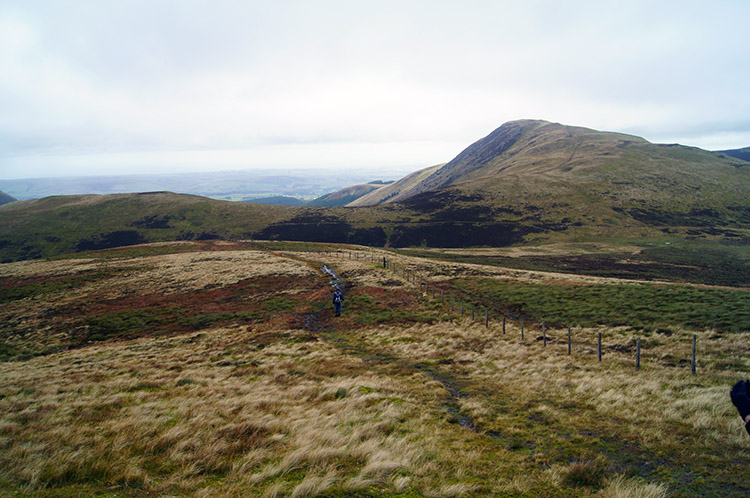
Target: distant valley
298 185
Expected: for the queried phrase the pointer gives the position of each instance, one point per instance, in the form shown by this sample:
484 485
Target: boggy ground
223 373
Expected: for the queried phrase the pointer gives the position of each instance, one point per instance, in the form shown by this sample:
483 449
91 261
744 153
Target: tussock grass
255 430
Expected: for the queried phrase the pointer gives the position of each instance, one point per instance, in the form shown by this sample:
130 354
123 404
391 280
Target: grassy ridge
701 262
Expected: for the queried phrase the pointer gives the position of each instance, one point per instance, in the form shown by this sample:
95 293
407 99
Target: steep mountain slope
395 191
5 198
346 195
540 149
589 182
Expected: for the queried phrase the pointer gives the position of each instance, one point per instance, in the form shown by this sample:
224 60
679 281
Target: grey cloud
127 77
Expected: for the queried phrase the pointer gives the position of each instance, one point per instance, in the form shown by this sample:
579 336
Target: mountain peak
532 145
484 151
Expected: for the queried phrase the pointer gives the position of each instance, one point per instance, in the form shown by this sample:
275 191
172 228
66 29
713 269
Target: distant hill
346 195
743 153
528 182
278 200
5 198
65 224
394 191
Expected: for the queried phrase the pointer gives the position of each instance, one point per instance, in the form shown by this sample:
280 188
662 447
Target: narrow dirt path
344 340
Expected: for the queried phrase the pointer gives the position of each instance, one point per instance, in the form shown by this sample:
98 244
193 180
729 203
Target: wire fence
683 350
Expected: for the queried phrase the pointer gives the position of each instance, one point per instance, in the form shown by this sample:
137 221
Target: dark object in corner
741 399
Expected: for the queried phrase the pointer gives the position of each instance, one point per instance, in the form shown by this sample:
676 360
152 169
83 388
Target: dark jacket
338 297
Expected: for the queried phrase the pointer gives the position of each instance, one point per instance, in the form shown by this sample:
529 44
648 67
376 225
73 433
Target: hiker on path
741 399
338 298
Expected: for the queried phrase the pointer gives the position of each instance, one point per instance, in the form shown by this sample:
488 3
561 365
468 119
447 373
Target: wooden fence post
472 312
569 343
638 354
599 347
486 318
503 324
521 331
692 368
544 334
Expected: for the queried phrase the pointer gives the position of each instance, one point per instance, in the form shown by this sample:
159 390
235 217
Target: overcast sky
127 86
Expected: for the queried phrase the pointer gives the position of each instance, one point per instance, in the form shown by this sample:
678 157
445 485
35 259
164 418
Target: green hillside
65 224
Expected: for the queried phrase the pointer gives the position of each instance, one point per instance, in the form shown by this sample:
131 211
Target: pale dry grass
552 249
197 270
619 487
47 268
660 406
441 271
181 272
165 414
363 266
